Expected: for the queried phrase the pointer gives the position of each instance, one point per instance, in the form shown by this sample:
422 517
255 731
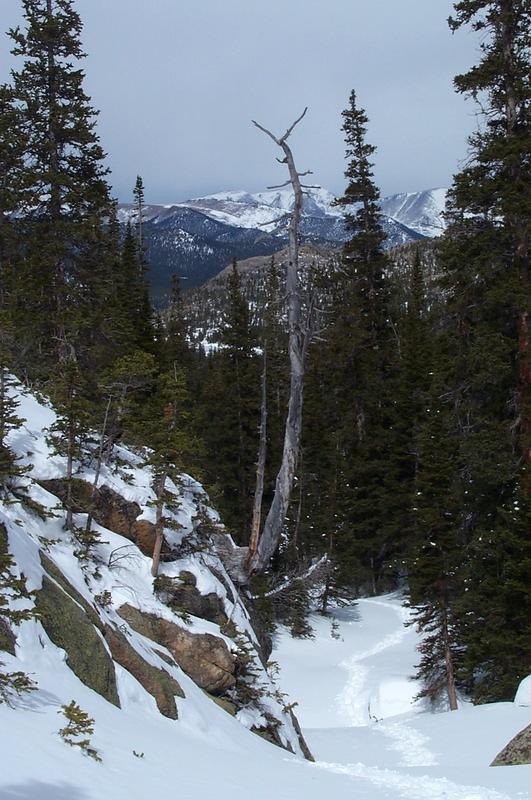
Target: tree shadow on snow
37 790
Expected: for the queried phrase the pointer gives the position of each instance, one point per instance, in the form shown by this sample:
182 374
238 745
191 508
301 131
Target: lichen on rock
517 752
70 628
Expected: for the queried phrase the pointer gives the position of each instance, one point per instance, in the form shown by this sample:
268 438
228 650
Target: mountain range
198 238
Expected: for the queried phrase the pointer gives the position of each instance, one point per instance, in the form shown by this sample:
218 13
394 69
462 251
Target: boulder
181 594
205 658
517 752
160 685
68 626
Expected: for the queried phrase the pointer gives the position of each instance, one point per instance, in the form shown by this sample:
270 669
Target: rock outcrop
163 687
110 510
69 627
182 594
205 658
517 752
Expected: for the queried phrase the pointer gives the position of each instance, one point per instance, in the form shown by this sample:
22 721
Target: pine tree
436 551
78 729
230 412
485 274
11 588
68 432
10 469
66 195
359 360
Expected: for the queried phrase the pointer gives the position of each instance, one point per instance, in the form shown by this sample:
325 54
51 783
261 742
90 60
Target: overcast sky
178 82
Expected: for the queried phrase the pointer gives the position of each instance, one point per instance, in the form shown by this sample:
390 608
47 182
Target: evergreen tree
357 368
65 191
436 551
12 587
229 416
485 276
10 469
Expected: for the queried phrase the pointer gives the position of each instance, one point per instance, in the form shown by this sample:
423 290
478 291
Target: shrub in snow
78 729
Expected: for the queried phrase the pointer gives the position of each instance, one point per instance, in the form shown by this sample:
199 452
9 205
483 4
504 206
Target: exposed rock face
157 682
182 595
110 510
205 658
517 752
68 627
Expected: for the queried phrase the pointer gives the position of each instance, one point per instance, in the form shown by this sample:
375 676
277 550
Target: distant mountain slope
198 238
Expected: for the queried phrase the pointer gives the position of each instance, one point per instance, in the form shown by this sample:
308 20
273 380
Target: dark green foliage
65 194
229 413
351 387
11 587
78 729
10 469
485 263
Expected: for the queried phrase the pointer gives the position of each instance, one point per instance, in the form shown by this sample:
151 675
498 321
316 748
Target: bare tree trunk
159 525
69 521
260 466
449 665
98 466
298 340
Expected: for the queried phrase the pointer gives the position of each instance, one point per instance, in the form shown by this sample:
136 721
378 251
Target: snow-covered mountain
199 237
420 211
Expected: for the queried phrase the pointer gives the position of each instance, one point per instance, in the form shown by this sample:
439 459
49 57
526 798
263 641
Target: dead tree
261 465
299 335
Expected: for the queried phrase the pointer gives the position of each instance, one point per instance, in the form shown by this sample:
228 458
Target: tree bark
260 466
159 525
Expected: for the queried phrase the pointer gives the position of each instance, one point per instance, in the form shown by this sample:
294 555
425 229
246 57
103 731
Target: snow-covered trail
358 711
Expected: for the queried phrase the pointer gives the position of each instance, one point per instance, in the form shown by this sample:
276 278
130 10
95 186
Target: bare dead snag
298 342
260 466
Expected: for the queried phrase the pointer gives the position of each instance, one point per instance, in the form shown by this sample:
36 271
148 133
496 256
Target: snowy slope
421 211
356 700
359 715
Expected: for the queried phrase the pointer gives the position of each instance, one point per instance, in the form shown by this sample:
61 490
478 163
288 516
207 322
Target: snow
360 718
523 694
371 739
420 211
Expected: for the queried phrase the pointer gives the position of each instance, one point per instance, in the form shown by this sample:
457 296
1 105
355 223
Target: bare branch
282 160
302 174
310 186
274 221
261 127
289 130
281 185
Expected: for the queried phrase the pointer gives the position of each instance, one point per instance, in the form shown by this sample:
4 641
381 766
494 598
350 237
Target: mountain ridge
199 237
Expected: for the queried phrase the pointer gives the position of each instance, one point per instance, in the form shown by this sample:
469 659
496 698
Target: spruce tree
12 587
66 195
485 278
230 412
360 352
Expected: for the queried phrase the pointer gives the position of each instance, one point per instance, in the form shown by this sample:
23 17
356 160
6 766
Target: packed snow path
358 711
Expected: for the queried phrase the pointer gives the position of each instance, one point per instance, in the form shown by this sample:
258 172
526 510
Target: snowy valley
352 680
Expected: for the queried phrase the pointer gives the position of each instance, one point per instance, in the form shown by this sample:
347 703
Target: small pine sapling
78 730
12 587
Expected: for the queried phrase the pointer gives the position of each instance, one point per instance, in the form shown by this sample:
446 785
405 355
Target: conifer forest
341 421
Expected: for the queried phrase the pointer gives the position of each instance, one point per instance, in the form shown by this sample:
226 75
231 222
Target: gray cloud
178 81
